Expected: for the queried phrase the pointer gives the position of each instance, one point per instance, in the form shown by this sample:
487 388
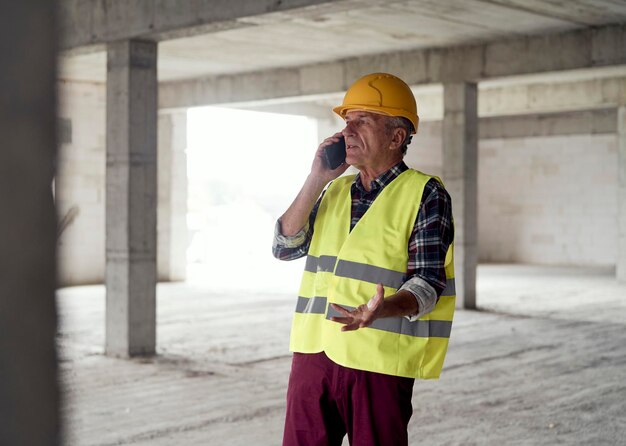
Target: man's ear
398 137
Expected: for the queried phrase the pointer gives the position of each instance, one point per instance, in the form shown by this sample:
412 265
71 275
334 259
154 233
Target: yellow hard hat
380 93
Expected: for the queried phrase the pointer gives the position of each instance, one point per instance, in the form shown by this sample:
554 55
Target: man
375 306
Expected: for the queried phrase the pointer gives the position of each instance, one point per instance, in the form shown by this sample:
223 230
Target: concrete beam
578 122
29 390
460 174
555 95
98 22
131 198
571 50
586 122
596 90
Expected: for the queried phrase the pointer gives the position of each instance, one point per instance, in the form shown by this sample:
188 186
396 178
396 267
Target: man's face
367 139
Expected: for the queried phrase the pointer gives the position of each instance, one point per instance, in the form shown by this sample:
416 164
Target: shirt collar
383 179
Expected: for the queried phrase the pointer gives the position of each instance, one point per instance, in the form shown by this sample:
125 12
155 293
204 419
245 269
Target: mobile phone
335 154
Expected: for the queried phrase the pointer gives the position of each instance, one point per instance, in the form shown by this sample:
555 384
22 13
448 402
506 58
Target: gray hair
394 122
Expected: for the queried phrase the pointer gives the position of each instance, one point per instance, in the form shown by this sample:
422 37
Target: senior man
375 305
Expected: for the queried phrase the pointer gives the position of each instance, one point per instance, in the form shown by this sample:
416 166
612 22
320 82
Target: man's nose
347 130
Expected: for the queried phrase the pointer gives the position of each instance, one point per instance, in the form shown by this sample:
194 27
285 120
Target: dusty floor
543 363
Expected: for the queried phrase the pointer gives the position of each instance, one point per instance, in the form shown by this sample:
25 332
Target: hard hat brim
341 110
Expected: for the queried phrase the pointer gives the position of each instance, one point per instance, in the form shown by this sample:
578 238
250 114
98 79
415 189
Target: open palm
363 315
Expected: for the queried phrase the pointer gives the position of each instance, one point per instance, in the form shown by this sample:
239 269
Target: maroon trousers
325 401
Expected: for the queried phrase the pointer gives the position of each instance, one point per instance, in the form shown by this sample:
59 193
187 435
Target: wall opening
244 169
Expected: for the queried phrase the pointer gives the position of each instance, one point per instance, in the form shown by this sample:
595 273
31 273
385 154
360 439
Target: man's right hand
319 170
294 218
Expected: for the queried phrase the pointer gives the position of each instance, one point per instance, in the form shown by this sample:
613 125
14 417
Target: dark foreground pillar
29 393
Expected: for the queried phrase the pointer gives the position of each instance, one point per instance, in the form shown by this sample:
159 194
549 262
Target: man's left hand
363 315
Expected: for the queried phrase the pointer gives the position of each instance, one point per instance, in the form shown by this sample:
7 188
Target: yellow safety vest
344 267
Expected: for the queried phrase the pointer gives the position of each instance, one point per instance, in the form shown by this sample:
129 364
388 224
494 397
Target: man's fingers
377 298
358 318
374 302
349 323
341 310
367 320
330 140
380 290
350 327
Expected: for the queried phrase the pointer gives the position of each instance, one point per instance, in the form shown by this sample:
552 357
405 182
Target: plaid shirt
432 234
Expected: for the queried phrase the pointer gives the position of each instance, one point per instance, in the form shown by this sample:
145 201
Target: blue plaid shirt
432 234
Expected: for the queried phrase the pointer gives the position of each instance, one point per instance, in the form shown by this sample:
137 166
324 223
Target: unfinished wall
80 187
172 238
542 199
549 200
79 183
425 152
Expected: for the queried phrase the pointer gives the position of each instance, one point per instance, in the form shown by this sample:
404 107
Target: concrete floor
543 363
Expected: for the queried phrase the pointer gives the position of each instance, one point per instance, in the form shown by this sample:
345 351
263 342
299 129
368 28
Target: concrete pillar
621 194
131 198
460 174
29 393
172 209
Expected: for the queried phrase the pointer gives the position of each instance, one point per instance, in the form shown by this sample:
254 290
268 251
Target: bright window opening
244 169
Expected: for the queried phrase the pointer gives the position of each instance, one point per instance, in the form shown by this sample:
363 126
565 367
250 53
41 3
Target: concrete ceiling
348 28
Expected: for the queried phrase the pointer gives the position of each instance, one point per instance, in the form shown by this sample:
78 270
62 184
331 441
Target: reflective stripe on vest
315 305
354 270
401 325
322 263
345 266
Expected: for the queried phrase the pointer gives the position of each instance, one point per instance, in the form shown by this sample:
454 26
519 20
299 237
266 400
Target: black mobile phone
335 154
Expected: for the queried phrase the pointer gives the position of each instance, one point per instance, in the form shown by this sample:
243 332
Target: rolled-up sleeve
290 247
294 247
425 295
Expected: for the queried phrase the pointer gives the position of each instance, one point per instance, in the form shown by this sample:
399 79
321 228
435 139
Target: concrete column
29 392
172 209
460 174
131 198
621 194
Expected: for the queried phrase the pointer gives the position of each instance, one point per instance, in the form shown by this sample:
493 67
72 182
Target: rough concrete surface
543 363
